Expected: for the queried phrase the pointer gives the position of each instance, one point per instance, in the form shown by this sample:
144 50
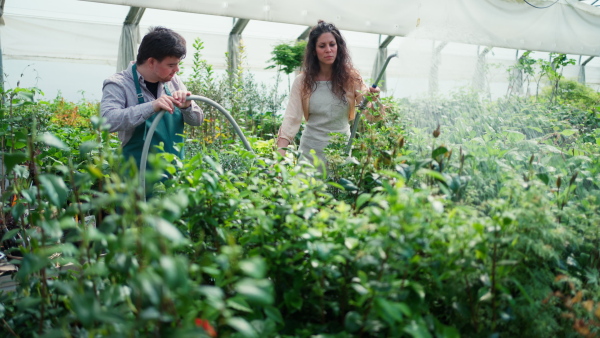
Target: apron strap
136 80
140 96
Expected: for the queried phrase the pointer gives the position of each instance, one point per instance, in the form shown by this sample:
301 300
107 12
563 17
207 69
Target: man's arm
119 113
192 114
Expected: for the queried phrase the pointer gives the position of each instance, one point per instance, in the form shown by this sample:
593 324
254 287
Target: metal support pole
581 77
304 34
130 37
1 58
435 69
380 59
234 44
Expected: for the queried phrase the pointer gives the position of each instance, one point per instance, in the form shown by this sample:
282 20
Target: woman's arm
374 104
292 118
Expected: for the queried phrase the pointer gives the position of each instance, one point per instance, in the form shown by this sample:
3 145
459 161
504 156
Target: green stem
9 328
494 261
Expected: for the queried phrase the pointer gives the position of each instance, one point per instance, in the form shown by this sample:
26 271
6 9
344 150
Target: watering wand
363 104
154 124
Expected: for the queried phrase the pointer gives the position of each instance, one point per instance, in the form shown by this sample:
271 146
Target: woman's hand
374 91
281 144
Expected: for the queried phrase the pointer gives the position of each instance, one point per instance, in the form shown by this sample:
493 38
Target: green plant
552 69
288 57
447 220
521 72
253 105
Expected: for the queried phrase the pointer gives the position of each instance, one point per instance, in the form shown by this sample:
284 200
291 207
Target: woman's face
326 49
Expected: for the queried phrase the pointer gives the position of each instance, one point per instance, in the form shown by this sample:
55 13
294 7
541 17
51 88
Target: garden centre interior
461 200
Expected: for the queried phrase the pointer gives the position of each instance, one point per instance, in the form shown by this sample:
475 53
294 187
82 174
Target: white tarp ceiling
565 27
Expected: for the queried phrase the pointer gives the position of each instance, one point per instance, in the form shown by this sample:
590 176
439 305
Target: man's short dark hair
159 43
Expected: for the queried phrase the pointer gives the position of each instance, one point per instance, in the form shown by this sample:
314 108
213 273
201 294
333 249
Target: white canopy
565 27
69 47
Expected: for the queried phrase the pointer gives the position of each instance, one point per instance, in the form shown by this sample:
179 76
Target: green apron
169 130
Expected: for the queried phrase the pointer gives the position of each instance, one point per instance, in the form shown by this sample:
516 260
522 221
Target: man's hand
168 103
180 98
163 103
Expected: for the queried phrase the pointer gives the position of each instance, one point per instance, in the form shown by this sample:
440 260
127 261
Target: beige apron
327 114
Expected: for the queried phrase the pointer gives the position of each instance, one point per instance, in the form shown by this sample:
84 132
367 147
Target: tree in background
288 57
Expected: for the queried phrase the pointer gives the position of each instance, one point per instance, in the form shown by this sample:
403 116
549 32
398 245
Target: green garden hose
150 133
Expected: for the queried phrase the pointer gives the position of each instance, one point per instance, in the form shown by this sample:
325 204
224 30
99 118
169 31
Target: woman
326 93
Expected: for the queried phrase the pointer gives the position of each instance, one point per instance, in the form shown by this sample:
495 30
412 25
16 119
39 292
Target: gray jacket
120 105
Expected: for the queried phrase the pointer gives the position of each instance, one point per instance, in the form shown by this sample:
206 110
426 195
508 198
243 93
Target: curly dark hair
343 72
159 43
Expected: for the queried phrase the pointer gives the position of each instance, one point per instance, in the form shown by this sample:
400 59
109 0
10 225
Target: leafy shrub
454 216
253 105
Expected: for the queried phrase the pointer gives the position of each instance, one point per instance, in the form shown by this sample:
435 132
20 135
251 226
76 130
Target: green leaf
16 145
514 136
538 129
86 309
352 160
25 94
348 185
55 189
449 332
256 291
351 242
239 304
94 171
353 321
174 270
293 300
88 146
9 234
52 141
211 292
242 326
544 177
361 290
439 151
168 230
216 166
433 174
362 199
29 303
18 210
568 132
418 288
274 314
30 264
417 330
254 267
13 159
389 311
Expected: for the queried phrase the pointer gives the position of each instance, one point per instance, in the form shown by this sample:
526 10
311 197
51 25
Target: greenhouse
459 195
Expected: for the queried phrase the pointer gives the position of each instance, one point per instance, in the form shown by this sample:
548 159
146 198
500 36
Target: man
131 98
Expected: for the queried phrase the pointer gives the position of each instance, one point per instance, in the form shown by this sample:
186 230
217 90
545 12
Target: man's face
164 70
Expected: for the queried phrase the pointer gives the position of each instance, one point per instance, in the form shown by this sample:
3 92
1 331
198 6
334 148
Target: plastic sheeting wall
62 46
500 23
